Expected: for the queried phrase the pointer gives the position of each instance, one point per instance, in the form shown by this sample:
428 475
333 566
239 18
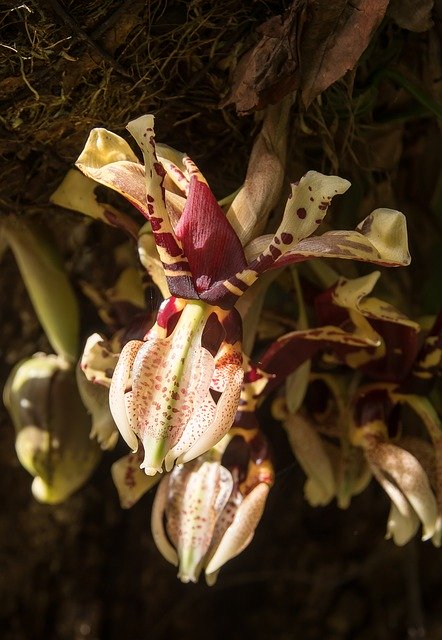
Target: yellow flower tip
46 494
138 127
104 147
387 230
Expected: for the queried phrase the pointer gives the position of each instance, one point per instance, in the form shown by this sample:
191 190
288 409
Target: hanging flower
162 388
375 339
205 512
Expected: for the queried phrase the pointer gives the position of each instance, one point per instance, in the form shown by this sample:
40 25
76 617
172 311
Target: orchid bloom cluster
184 395
163 387
378 421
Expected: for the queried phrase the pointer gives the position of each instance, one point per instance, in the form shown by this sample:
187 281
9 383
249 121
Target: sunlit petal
242 529
118 389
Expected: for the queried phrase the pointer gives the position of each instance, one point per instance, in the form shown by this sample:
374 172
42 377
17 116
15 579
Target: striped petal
169 246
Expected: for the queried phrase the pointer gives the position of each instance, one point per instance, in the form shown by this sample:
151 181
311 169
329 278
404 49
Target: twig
82 35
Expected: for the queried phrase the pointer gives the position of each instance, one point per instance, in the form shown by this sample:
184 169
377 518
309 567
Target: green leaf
50 291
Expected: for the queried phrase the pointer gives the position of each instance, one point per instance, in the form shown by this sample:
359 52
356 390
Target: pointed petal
169 246
381 238
130 481
240 532
226 408
192 511
304 212
171 378
213 249
401 529
77 192
308 449
157 523
109 160
411 480
118 388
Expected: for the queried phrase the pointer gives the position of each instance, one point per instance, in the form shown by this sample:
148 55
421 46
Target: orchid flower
401 475
366 416
205 511
162 391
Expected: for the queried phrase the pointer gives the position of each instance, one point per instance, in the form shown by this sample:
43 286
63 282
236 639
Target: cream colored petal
77 192
108 159
387 231
401 529
98 361
192 512
410 479
199 423
130 481
249 211
241 531
118 389
308 449
171 381
225 412
157 523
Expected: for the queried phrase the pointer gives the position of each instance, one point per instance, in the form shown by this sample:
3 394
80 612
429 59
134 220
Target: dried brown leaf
334 37
270 70
311 46
414 15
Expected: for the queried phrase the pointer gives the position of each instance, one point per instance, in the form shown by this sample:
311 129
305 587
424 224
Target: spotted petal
130 481
240 533
169 246
171 378
398 469
197 495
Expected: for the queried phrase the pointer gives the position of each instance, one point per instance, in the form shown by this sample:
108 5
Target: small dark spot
287 238
301 213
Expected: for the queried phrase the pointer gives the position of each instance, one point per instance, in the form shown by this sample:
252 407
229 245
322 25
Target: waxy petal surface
240 533
171 379
121 382
409 478
213 249
130 481
196 497
169 246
